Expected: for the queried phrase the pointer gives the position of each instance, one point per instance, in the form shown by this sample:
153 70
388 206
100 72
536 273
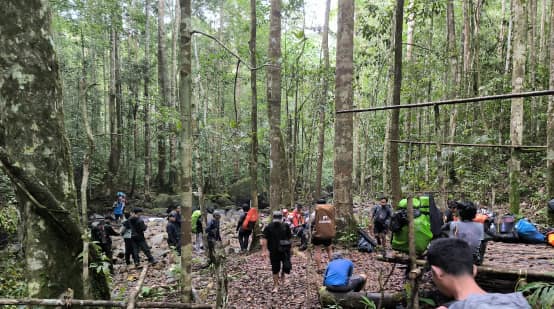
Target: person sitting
338 276
453 273
472 232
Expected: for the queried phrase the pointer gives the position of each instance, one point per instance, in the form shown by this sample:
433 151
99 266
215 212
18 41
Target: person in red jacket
299 225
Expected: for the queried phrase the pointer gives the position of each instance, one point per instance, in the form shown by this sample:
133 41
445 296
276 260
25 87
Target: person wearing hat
173 229
339 275
276 243
137 236
212 231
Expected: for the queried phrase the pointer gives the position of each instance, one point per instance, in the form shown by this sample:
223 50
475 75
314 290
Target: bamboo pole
468 144
97 303
135 292
453 101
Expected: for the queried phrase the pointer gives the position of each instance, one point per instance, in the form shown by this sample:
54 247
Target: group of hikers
132 228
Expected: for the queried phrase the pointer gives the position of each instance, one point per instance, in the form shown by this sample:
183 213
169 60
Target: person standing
299 225
214 236
339 275
126 233
244 234
173 233
137 236
382 214
453 272
276 243
102 232
119 206
196 222
324 230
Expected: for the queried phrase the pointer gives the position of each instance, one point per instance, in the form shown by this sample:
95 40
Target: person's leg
242 244
356 282
317 257
144 247
275 261
128 250
303 239
247 240
329 250
135 250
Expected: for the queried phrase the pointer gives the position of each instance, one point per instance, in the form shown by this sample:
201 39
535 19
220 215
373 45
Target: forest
205 106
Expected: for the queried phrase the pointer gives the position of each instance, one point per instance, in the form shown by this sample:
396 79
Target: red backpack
250 220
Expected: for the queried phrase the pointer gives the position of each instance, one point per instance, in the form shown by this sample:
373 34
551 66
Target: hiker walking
196 222
212 231
126 233
137 236
173 229
119 206
339 275
101 232
276 241
382 214
324 230
244 233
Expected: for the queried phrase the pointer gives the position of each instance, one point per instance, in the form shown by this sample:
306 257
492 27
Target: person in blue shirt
119 206
339 275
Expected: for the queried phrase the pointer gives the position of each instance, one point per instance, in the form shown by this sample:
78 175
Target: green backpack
422 225
195 215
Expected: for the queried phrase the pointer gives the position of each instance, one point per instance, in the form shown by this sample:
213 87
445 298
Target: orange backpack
550 238
325 227
250 219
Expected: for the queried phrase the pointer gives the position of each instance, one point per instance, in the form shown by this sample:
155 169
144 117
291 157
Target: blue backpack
528 233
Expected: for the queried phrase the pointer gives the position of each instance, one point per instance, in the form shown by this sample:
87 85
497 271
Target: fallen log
135 292
356 299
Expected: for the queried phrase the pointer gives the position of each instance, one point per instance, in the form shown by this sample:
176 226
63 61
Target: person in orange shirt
299 225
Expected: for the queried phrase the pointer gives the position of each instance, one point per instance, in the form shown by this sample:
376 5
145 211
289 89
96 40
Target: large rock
164 201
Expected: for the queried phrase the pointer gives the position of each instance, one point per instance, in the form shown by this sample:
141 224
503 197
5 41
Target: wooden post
135 292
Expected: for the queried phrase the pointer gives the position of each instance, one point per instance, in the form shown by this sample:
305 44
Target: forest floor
249 275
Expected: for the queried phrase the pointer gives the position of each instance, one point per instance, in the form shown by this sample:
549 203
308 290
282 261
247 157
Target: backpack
550 238
422 227
507 224
250 219
435 216
195 217
528 232
364 245
399 219
325 226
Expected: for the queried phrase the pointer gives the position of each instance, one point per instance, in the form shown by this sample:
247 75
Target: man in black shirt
276 240
137 236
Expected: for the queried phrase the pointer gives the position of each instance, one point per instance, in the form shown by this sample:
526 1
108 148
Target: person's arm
241 220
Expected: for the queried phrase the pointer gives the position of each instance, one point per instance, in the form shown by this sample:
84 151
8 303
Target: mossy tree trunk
550 124
344 124
34 151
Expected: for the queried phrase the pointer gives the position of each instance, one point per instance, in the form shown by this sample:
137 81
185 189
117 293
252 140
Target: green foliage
368 303
348 238
539 294
9 219
12 280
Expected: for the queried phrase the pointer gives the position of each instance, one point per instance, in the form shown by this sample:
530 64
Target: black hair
384 198
321 201
466 210
245 207
452 255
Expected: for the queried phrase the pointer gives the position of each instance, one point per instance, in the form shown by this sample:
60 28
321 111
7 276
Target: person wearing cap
212 231
453 272
244 235
276 241
173 229
137 236
339 275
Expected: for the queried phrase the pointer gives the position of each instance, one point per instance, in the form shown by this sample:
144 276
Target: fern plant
540 295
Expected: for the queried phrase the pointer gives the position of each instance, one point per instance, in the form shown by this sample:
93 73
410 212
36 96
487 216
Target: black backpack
399 220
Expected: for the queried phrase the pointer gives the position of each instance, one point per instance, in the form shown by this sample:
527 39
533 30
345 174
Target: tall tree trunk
324 100
532 13
34 151
174 67
147 149
115 129
518 79
162 86
276 153
185 137
253 123
395 114
453 83
343 123
550 124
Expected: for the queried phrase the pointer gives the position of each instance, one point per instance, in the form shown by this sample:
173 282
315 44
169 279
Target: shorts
321 242
278 258
379 228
